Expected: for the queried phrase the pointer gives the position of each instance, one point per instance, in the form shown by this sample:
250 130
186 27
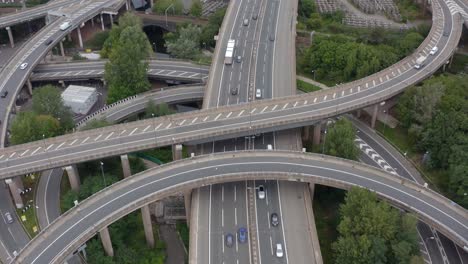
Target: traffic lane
269 235
112 202
203 231
216 229
48 197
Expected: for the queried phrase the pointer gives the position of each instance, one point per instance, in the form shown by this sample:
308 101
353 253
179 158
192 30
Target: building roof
78 94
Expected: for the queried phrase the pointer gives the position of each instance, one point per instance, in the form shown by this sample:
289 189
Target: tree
410 42
339 140
306 8
47 100
373 232
186 44
126 73
211 29
196 8
161 6
127 20
157 110
28 127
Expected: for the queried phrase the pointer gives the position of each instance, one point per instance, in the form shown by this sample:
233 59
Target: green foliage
127 20
306 8
153 110
126 73
409 42
29 126
97 42
212 28
185 44
184 232
96 123
371 231
160 7
306 87
196 8
47 100
339 140
163 154
78 57
409 10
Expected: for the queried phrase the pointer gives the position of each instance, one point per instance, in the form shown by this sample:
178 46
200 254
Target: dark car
255 16
229 240
47 43
274 219
271 37
238 59
234 90
242 235
4 94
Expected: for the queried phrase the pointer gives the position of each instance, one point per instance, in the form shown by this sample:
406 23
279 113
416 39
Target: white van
65 25
258 94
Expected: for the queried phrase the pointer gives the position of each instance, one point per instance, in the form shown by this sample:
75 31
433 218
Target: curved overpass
158 69
223 122
12 78
78 225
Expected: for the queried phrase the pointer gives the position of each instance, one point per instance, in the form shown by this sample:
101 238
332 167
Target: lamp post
165 12
324 139
102 171
154 47
313 72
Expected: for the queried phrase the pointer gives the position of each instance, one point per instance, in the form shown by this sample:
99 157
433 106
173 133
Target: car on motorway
24 65
246 22
238 58
274 219
234 90
261 192
258 94
279 250
229 240
8 218
4 94
271 37
242 235
433 50
255 16
47 43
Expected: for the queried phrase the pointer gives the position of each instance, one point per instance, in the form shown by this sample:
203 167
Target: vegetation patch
184 232
306 87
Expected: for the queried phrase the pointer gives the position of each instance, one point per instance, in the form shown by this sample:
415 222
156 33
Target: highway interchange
380 81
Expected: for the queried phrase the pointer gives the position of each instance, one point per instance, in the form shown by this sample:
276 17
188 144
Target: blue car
242 235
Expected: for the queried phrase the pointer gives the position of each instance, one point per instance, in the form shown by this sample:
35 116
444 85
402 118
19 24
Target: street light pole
324 140
102 171
165 12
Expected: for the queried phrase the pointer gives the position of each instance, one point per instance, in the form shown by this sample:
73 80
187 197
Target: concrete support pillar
151 2
145 214
358 113
375 111
10 36
23 4
73 177
102 23
317 131
62 50
69 37
188 205
176 152
126 5
29 85
450 60
80 40
305 133
106 242
16 186
127 172
92 22
111 19
312 189
47 20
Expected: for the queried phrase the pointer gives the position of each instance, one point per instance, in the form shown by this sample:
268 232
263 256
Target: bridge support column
106 241
111 19
151 4
102 23
305 133
317 131
145 214
312 189
176 152
127 172
92 22
62 51
375 111
188 205
126 5
358 113
16 186
80 40
10 36
29 85
73 177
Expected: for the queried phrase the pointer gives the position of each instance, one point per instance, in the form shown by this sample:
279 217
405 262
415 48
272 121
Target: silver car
8 218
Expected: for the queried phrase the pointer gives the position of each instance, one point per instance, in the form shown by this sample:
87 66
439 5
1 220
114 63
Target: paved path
174 247
307 80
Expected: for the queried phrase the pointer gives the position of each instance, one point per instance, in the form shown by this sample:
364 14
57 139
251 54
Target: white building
80 98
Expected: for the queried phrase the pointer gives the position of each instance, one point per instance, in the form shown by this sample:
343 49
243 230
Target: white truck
65 25
420 62
229 51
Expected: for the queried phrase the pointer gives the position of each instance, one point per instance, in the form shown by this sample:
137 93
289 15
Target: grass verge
184 232
27 215
306 87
